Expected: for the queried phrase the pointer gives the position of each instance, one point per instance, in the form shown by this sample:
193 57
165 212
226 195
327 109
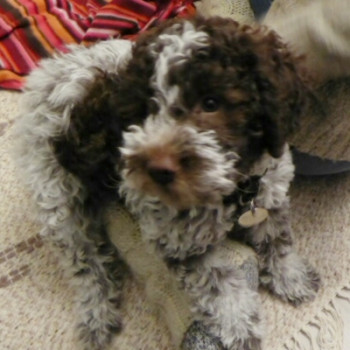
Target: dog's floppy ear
284 90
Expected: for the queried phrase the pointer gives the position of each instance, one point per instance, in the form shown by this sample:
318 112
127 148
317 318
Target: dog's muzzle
176 163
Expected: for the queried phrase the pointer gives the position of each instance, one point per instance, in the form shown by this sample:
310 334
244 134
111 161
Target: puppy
187 127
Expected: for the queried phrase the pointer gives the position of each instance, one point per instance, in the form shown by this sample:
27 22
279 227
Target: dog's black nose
162 176
162 167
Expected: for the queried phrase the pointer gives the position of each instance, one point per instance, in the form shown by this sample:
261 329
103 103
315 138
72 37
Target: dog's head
196 91
239 83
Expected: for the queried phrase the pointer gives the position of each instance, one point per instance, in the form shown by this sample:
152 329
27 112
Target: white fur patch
274 185
177 45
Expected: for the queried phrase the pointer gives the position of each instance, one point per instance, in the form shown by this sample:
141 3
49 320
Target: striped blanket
33 29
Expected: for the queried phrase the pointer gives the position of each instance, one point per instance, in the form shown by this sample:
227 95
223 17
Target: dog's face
239 83
206 97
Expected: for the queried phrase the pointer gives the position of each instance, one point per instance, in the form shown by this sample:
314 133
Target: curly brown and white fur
169 126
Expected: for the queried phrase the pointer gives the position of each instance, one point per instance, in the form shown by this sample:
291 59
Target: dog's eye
210 104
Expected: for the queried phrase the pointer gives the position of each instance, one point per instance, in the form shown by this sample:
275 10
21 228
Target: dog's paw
197 337
248 344
296 283
97 334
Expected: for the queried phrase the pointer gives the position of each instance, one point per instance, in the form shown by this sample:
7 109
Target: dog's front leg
99 276
222 300
283 271
95 270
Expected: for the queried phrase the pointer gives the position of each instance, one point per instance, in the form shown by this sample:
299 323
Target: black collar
245 192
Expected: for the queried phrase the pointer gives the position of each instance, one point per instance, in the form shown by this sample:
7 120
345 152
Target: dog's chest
182 234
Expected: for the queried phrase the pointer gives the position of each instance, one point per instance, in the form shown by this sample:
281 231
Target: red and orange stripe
33 29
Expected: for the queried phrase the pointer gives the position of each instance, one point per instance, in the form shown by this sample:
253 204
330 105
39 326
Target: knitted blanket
33 29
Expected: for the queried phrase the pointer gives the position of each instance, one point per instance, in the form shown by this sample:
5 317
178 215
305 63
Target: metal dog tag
253 217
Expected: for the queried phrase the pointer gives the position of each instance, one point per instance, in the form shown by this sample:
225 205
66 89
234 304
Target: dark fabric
260 7
308 165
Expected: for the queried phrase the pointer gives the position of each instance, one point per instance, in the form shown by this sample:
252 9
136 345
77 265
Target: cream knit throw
36 310
321 29
150 272
239 10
